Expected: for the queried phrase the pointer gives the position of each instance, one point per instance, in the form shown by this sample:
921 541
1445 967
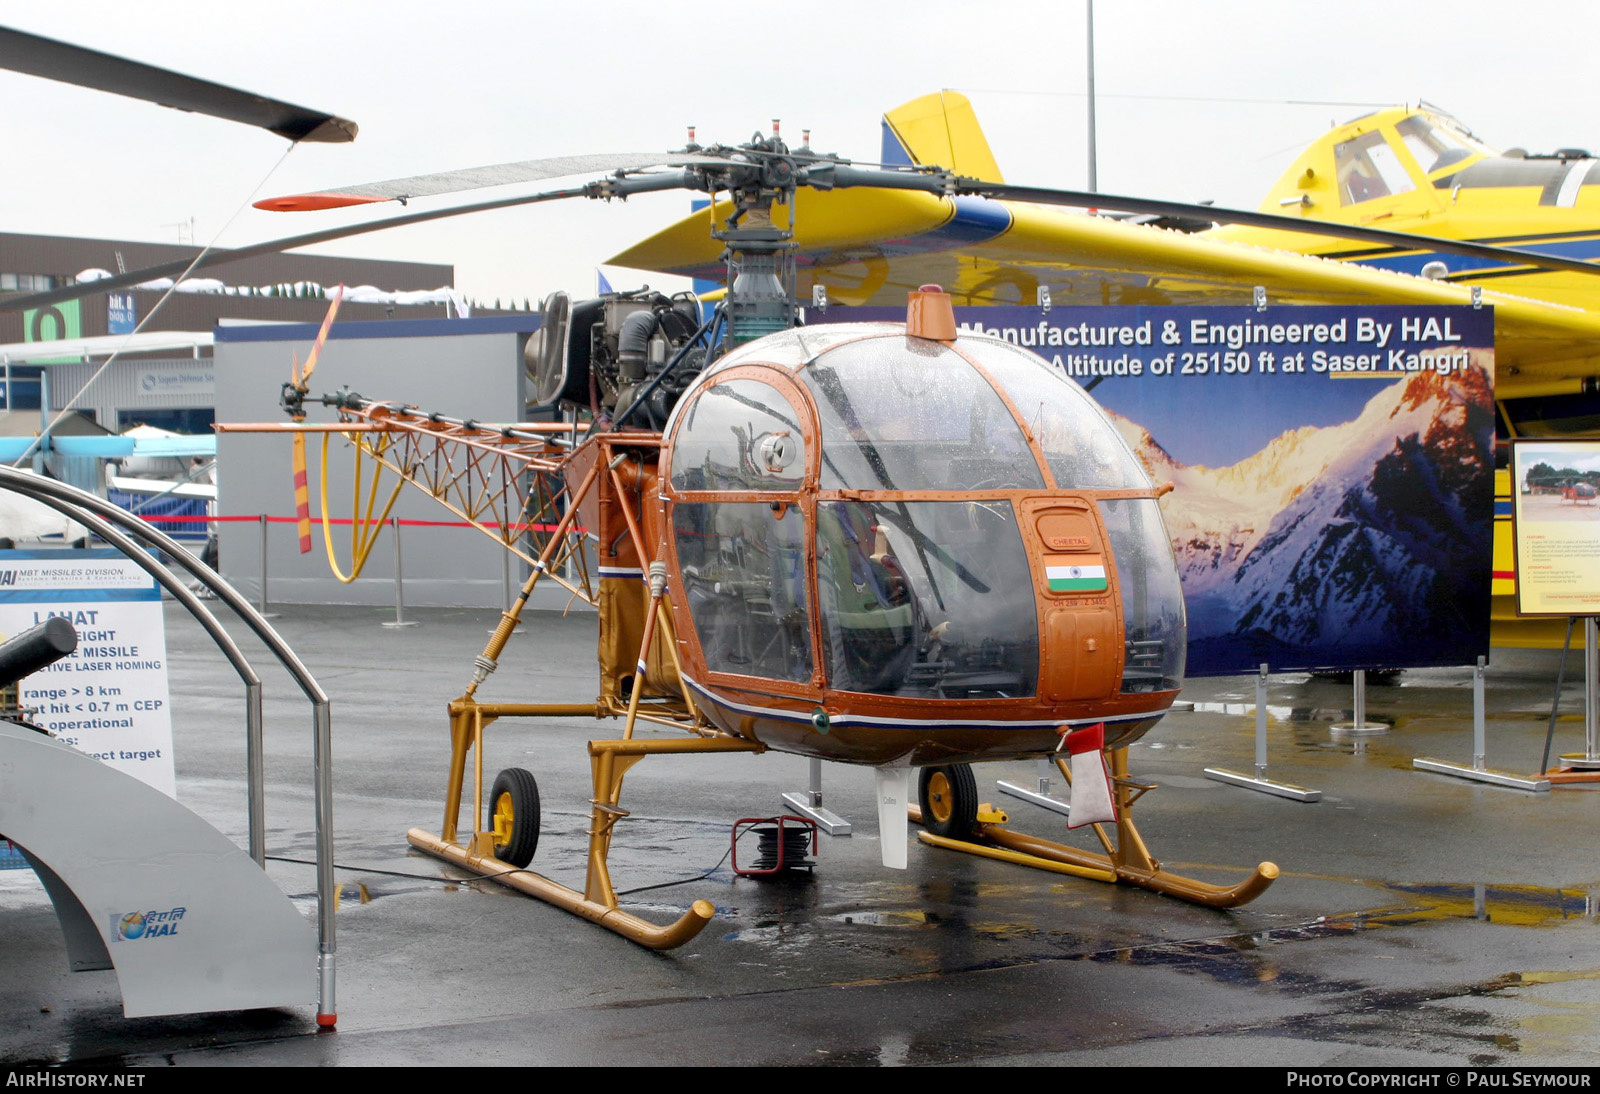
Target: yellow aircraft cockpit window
739 435
1081 446
1368 168
1436 147
909 414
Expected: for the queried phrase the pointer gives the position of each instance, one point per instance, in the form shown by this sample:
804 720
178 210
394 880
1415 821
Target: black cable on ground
683 881
490 877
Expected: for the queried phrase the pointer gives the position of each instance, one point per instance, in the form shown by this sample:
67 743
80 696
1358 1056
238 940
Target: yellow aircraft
1404 169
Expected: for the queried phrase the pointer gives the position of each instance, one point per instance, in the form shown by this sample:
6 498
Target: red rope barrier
346 520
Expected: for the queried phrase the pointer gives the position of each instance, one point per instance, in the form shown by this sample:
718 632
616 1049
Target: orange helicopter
889 546
878 544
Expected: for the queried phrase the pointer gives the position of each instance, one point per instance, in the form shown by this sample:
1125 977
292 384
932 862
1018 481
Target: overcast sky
1197 100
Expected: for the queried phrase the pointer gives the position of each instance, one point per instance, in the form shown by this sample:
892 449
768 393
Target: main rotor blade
477 178
18 302
53 60
1406 241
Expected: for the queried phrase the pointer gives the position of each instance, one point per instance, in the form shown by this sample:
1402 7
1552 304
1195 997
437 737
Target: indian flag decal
1076 579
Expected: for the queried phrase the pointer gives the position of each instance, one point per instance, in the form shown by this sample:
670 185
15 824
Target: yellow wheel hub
504 817
941 803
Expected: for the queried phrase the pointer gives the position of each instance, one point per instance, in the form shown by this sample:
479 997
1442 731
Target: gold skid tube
1003 854
647 934
610 761
1127 860
1153 877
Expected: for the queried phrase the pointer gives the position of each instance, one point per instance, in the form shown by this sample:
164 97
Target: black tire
949 797
514 802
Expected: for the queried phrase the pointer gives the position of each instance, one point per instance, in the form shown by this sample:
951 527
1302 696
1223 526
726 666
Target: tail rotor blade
322 336
302 495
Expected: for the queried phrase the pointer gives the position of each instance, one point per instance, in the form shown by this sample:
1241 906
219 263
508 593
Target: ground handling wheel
514 816
949 798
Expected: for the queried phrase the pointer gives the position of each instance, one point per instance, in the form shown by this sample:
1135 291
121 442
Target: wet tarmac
1420 919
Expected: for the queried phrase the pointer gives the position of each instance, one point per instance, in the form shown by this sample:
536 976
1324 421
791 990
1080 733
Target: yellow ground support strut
609 760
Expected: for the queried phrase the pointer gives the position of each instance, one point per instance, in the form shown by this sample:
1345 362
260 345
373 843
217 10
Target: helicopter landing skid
610 761
1126 859
650 935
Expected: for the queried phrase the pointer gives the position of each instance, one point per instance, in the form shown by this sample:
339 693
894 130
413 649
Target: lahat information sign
1333 471
109 697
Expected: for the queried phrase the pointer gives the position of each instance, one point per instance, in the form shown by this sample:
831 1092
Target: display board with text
1333 468
109 697
1556 526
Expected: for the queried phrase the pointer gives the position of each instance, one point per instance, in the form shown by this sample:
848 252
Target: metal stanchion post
263 605
399 593
1259 780
505 574
505 570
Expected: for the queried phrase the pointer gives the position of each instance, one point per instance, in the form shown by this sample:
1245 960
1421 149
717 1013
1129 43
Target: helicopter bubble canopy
900 517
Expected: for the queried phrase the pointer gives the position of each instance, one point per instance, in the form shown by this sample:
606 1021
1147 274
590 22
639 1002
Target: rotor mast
758 253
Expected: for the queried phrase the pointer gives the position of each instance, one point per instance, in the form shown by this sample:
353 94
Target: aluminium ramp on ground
144 885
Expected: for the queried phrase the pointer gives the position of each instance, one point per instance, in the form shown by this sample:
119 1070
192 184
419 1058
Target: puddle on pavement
1449 1016
1505 905
1280 714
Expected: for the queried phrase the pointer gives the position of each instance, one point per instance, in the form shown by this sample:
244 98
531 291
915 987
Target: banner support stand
1479 772
1259 781
1575 767
808 803
1040 795
1358 723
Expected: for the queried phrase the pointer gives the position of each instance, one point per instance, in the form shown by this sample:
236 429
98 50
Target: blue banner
1333 468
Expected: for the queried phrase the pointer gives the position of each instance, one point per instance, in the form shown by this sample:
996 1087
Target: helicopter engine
602 354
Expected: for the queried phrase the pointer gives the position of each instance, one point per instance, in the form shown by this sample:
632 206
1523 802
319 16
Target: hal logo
132 926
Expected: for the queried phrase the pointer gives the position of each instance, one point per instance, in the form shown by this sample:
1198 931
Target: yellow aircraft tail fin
940 129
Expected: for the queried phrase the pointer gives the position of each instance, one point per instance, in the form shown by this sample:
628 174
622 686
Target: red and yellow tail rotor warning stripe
302 494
